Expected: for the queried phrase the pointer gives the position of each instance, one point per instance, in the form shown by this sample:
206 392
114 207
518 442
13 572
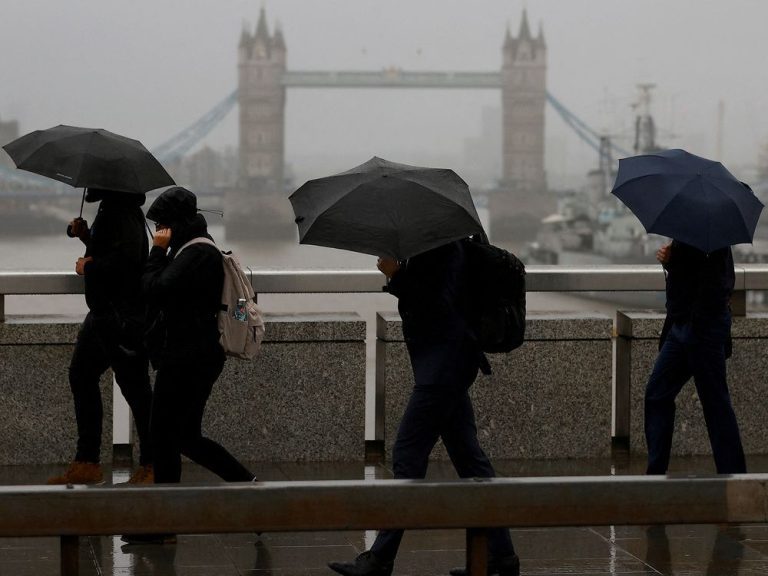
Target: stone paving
612 550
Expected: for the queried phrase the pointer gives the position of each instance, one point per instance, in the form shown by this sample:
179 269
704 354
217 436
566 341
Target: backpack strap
198 240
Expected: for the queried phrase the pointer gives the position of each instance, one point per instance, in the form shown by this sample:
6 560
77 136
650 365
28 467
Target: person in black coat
695 343
111 334
433 300
184 294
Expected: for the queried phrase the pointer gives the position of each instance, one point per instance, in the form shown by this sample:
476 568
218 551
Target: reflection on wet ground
608 550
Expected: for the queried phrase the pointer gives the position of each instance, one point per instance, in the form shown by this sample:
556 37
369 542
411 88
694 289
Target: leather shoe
366 564
507 566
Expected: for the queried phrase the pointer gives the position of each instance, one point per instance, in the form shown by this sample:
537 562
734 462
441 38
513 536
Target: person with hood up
111 335
183 289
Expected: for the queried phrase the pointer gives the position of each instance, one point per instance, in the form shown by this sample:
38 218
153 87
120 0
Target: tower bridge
264 78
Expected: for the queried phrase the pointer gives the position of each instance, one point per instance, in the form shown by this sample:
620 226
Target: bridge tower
261 64
523 98
259 199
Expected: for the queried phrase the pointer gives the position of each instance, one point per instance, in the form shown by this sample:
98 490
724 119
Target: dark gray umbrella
385 209
89 158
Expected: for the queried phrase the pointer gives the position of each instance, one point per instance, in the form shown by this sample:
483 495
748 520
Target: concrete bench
69 512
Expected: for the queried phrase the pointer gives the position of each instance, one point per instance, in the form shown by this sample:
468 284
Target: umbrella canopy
89 158
689 198
385 209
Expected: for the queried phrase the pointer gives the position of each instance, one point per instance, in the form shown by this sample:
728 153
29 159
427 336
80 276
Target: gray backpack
241 324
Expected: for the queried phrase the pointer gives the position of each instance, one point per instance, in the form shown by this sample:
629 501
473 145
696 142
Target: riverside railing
73 511
561 279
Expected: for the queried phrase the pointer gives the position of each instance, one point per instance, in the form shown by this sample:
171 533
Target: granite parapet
747 368
556 387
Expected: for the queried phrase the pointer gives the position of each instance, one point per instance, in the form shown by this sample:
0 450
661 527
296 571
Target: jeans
181 393
92 356
440 407
698 351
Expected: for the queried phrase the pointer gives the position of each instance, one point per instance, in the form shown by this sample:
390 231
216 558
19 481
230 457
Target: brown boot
80 473
142 475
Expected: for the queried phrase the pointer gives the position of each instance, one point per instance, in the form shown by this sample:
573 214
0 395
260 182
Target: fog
149 69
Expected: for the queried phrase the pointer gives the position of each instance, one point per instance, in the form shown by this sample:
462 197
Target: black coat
699 285
118 245
433 294
184 296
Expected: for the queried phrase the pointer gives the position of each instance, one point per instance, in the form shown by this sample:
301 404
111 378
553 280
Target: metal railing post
477 552
70 555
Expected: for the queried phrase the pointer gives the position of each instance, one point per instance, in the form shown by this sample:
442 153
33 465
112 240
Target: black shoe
507 566
149 538
366 564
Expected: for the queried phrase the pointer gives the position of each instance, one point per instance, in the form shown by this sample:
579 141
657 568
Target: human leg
167 402
470 461
206 452
132 376
86 367
670 373
431 403
709 374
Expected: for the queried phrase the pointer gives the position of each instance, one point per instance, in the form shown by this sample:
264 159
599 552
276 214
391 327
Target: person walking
183 289
111 334
433 300
695 343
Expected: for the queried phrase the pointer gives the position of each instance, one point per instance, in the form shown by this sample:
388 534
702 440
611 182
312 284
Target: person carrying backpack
184 296
434 292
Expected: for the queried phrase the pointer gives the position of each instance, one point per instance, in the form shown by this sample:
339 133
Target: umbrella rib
713 183
668 202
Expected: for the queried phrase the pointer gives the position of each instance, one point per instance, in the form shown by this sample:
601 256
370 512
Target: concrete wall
37 414
551 398
747 374
302 399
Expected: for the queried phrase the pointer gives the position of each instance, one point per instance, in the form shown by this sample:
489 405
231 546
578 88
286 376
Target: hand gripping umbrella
689 198
385 209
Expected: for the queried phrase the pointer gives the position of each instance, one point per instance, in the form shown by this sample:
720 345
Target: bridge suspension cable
181 143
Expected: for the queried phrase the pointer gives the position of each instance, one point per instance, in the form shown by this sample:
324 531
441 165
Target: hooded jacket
118 245
184 292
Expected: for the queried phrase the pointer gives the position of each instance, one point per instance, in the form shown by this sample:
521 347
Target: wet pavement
609 550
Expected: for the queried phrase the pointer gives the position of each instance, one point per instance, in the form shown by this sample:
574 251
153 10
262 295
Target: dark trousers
440 407
697 352
93 354
181 392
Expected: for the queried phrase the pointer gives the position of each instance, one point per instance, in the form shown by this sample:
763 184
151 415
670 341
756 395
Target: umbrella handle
69 228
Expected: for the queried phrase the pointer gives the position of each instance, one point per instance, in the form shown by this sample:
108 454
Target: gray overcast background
149 68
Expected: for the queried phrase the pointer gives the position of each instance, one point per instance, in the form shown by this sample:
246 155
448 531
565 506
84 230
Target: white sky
148 68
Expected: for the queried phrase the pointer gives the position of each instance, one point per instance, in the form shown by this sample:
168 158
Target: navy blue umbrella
689 198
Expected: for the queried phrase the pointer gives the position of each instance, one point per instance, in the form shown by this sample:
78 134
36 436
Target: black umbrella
385 209
689 198
89 158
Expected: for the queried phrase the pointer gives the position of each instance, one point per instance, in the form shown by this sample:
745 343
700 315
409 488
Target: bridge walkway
610 550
